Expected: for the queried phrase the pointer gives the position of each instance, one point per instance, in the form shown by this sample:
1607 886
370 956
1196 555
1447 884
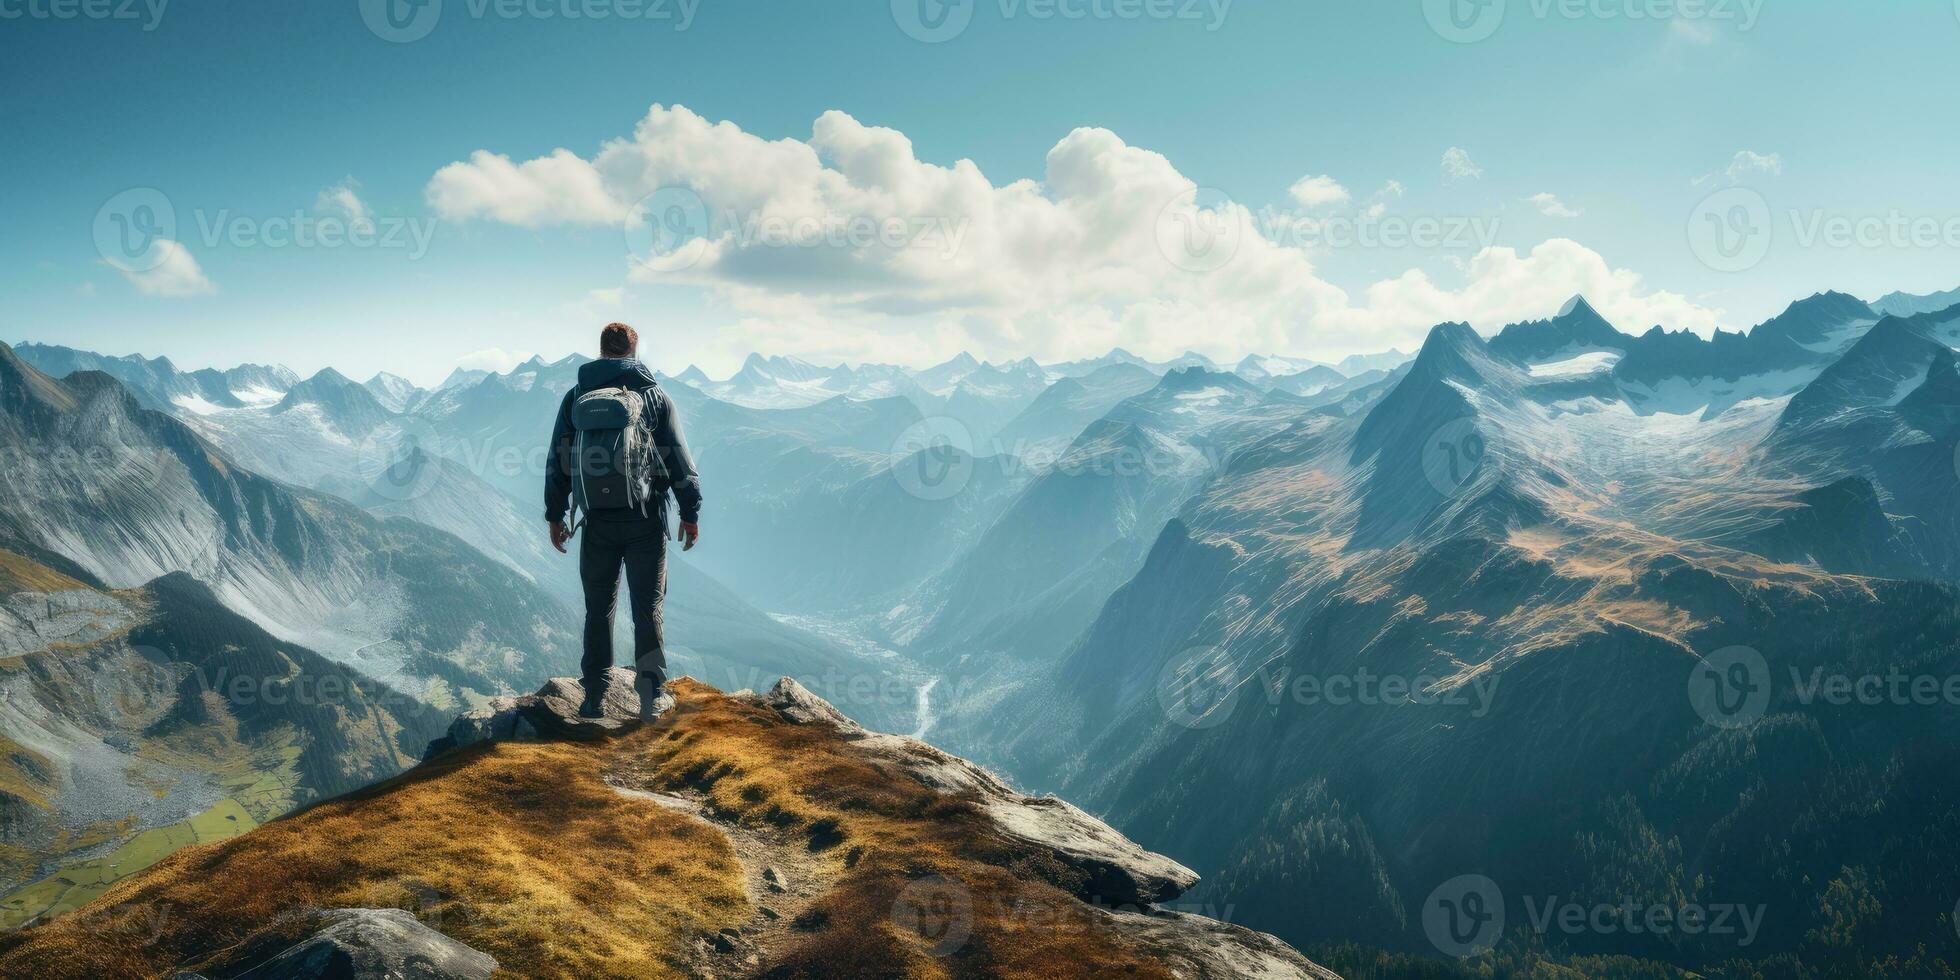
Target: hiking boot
654 699
594 705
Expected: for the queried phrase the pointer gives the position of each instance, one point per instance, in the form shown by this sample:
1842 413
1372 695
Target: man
629 532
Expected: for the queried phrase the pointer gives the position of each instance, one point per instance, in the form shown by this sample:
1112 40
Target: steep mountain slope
130 495
1030 584
1908 304
803 499
1261 370
1888 414
392 473
774 382
158 383
1880 370
1680 372
747 835
139 721
1368 652
1577 329
395 393
989 397
347 408
1059 414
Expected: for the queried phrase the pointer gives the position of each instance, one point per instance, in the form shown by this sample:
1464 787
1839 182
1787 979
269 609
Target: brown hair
618 340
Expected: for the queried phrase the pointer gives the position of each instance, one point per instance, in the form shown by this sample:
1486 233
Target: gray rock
795 702
550 715
1206 949
371 944
1117 871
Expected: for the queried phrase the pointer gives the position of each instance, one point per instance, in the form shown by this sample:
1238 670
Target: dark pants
641 546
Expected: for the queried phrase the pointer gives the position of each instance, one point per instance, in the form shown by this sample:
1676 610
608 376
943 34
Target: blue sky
255 112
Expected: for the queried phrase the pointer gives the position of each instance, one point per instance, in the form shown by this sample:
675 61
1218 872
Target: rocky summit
746 834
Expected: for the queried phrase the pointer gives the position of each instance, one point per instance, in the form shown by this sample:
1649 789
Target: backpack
617 466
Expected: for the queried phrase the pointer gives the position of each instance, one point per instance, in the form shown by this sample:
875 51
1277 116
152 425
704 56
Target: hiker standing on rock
616 453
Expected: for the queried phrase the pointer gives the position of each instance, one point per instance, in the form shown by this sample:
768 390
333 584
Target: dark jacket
614 372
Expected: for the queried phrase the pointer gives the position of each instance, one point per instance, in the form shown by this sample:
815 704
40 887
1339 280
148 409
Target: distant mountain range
1533 545
1141 584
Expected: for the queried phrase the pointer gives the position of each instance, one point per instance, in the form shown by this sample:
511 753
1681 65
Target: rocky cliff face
739 835
131 495
135 722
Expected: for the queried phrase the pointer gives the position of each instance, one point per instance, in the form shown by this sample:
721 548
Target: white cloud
1551 207
1318 192
1457 165
1748 162
599 304
172 272
1745 164
1082 260
344 200
1378 202
558 189
1501 286
492 359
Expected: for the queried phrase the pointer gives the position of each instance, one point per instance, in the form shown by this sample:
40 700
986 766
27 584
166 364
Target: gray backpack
617 465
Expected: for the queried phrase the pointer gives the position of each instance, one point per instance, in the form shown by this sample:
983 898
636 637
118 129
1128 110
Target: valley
1224 606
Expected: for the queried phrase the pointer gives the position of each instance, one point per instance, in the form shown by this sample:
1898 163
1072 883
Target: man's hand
687 535
559 535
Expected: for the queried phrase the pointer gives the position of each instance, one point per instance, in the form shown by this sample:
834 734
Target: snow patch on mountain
1577 366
